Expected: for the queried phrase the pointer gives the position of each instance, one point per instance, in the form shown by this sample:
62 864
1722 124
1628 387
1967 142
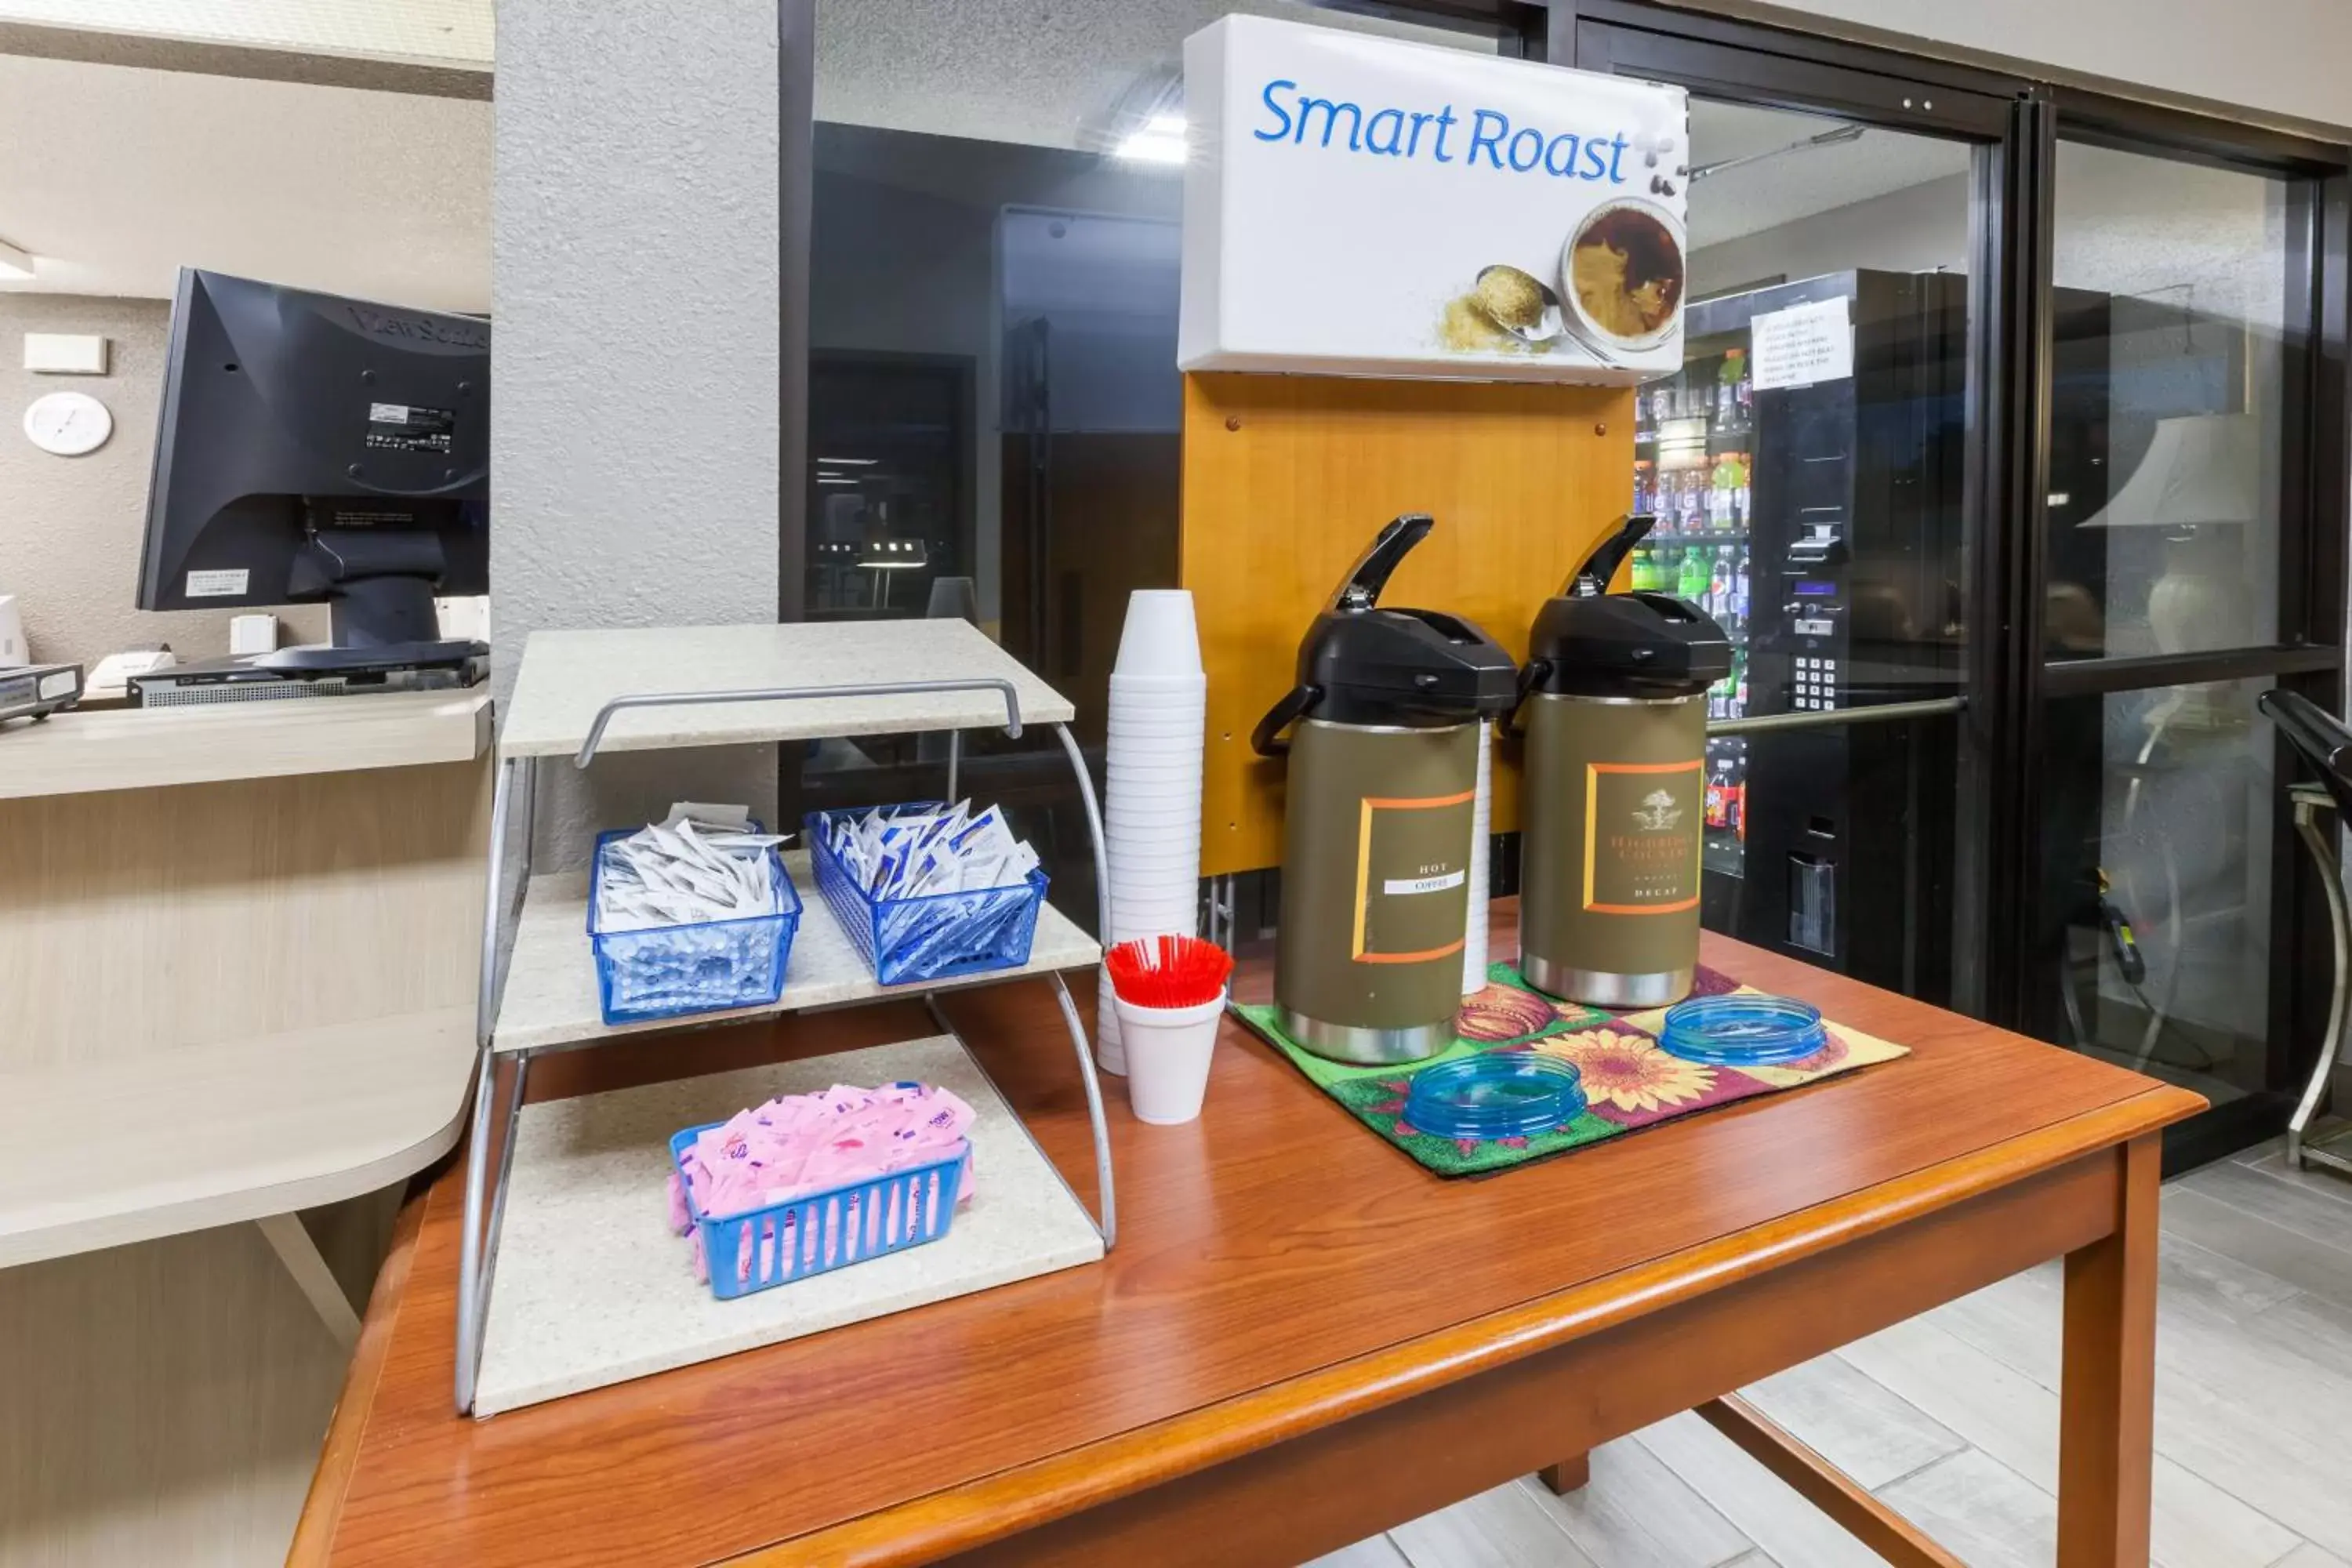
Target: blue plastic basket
933 937
824 1231
670 972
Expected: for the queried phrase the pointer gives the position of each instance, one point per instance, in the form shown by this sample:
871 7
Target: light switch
64 353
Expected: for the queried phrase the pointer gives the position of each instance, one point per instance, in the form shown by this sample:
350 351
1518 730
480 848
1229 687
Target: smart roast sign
1355 206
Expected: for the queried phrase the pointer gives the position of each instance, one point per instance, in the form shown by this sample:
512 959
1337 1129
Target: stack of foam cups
1159 723
1481 827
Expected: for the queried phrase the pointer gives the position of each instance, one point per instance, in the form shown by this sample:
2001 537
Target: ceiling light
1143 147
14 263
1161 140
855 462
835 480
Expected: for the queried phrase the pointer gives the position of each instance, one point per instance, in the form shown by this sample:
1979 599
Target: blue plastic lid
1496 1094
1743 1031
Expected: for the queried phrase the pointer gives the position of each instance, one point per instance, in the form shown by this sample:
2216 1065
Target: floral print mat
1628 1081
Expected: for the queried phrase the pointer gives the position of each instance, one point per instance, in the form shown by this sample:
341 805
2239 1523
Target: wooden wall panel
163 1403
218 911
1286 480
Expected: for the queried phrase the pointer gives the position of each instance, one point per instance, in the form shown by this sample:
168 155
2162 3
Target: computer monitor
312 448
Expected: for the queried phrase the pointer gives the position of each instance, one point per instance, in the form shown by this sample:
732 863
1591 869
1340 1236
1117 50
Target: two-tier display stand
596 1289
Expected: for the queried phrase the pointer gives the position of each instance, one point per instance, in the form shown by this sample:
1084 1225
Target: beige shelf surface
140 747
102 1154
551 990
591 1287
567 676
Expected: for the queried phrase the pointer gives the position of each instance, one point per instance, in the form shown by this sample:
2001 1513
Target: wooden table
1302 1338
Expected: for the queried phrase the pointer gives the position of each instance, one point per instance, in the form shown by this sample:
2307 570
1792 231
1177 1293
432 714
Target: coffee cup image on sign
1622 272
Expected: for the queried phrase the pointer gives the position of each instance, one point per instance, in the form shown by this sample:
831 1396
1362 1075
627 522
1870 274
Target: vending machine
1806 467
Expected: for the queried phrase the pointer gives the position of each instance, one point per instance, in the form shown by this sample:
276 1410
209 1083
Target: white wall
635 357
2276 58
452 33
1916 229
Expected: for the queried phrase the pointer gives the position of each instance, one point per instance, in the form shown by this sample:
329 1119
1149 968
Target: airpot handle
1530 677
1361 589
1293 705
1591 579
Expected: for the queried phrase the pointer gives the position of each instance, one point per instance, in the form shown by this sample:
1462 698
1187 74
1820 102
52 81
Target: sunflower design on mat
1629 1071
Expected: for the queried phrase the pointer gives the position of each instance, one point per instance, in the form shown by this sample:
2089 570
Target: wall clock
67 424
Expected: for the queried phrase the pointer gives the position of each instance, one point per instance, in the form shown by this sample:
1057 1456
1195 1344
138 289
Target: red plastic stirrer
1168 970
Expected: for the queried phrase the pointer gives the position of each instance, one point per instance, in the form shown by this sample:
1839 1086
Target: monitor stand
379 583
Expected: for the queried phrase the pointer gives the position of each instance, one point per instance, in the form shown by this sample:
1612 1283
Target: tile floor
1953 1418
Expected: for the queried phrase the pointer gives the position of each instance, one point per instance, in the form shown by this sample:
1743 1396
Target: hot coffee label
1641 831
1413 878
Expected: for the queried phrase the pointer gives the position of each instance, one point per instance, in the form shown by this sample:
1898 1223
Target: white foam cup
1167 1053
1158 637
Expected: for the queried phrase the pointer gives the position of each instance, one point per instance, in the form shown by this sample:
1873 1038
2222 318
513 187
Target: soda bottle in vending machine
1644 568
1736 787
1718 789
1690 579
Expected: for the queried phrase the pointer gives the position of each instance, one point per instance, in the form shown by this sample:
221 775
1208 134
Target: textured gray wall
634 281
70 526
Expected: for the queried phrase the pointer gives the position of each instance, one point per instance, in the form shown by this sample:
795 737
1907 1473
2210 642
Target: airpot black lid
1362 664
1589 642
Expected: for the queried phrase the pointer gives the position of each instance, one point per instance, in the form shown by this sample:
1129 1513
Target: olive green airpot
1610 803
1383 769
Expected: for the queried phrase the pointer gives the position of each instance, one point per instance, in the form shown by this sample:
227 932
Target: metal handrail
796 694
1837 718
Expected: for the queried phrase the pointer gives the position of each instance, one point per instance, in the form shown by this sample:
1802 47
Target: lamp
954 599
2201 483
895 554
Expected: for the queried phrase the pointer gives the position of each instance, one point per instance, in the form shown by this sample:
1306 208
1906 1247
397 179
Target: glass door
2119 524
1811 471
2178 532
993 419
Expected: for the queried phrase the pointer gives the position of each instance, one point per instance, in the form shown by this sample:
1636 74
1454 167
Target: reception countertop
139 748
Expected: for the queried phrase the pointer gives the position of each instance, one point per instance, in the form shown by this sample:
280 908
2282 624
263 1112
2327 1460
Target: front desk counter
238 950
1301 1338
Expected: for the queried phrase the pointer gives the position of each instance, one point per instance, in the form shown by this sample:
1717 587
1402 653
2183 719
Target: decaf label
1413 878
1641 823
